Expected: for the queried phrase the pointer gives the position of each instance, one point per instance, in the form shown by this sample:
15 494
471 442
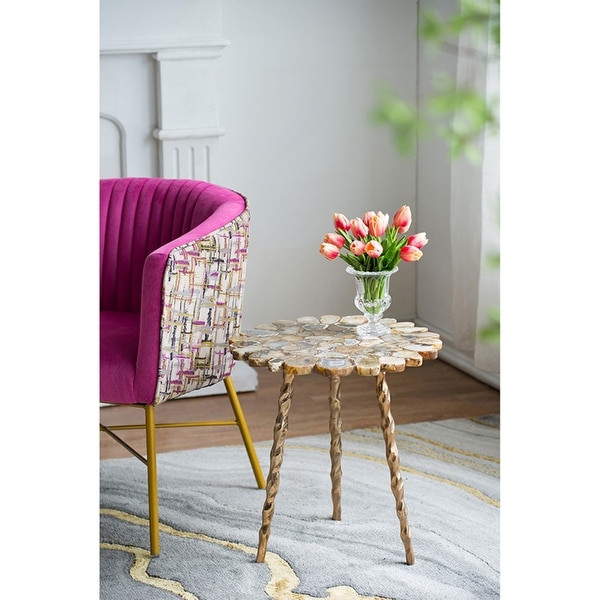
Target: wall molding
188 134
196 48
122 142
187 159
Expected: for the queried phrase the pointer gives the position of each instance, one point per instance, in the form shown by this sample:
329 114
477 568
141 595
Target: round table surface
330 345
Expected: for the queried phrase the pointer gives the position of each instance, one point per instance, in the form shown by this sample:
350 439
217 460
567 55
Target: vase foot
372 330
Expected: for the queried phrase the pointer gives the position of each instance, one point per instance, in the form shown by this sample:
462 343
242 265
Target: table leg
391 452
279 433
335 448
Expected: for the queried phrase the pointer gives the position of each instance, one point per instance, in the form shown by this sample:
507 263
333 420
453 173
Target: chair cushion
119 336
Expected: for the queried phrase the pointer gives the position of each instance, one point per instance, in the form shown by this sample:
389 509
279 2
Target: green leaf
432 28
491 332
493 261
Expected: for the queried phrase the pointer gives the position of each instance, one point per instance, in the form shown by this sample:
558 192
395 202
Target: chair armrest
201 306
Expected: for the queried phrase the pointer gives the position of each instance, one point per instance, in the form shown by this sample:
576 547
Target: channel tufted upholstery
172 268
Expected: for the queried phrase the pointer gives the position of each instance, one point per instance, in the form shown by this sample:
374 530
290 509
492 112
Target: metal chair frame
150 426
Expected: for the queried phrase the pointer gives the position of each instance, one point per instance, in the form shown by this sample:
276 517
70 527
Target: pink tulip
336 239
368 216
329 251
402 219
340 221
418 240
374 249
410 253
358 228
378 224
357 248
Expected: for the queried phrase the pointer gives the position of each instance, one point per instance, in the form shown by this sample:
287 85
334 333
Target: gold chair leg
241 422
152 480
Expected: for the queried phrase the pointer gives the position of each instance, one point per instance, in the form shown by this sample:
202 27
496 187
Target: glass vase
372 299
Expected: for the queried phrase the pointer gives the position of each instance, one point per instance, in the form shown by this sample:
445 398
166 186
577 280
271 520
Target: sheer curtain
475 228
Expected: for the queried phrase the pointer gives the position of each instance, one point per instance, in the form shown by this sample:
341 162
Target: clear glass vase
372 299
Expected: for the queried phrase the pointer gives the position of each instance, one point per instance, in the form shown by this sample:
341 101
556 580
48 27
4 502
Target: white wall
297 87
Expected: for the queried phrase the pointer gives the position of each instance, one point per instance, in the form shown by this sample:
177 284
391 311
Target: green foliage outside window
456 114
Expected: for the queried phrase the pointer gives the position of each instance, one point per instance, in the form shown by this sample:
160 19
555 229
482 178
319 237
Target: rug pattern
210 515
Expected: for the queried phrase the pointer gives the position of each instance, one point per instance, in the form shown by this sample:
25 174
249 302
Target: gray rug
211 509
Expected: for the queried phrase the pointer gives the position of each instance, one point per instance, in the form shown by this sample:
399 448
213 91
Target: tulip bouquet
371 244
373 247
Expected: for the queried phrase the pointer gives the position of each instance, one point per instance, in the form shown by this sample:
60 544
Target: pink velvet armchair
172 272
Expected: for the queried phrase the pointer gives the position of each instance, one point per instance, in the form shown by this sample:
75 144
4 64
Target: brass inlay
281 584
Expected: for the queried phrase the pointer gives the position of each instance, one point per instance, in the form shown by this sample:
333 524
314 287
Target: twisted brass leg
335 448
391 452
279 432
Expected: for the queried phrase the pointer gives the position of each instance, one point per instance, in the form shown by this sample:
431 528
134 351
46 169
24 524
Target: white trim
201 48
188 134
465 363
459 359
122 142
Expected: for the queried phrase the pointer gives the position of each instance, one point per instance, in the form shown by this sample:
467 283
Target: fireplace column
188 111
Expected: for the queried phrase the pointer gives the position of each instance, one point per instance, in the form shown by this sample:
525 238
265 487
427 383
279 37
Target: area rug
210 512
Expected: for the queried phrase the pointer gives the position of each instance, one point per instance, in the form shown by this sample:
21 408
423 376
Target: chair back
139 215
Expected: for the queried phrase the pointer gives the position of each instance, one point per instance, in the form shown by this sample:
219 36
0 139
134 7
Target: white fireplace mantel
208 47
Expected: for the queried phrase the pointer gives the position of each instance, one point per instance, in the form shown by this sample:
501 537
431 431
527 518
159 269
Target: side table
330 346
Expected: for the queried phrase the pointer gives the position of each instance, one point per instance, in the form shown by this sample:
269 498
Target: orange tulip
378 224
410 253
374 249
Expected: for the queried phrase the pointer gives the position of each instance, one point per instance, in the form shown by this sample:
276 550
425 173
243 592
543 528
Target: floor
434 391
